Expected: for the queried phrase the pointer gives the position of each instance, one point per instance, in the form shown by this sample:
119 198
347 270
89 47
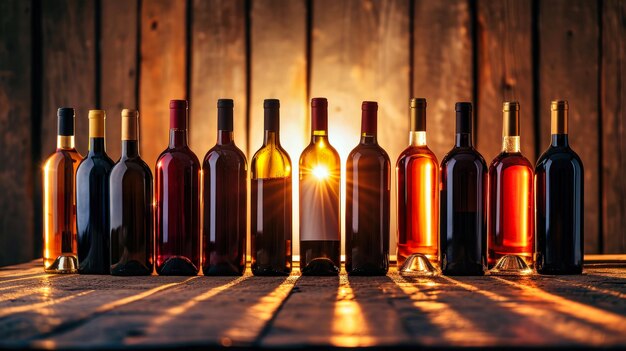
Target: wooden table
70 311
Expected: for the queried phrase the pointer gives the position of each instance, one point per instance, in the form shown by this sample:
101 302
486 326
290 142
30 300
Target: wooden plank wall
114 54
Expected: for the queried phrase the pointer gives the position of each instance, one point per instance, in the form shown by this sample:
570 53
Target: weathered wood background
130 53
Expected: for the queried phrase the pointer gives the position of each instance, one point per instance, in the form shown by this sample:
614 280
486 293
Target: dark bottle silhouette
271 200
463 199
559 198
131 206
320 237
92 201
368 171
225 193
177 184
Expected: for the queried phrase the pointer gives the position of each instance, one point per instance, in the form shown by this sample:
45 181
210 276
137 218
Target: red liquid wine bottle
463 196
511 211
271 198
92 201
59 199
367 201
418 194
225 194
320 238
559 198
132 213
177 184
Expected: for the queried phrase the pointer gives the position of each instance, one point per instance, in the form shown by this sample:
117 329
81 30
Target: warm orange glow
40 305
349 328
517 179
320 172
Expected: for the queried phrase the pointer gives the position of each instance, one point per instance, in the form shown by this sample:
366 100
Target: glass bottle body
319 183
271 209
92 210
418 203
559 187
59 210
225 192
511 208
177 197
132 214
463 211
367 209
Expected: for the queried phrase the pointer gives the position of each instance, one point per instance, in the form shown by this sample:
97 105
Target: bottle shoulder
463 155
227 153
131 165
99 162
180 155
319 152
558 157
505 159
417 153
369 151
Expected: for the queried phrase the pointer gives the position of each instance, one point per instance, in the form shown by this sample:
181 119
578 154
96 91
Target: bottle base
418 265
63 265
320 267
130 268
223 269
511 265
178 265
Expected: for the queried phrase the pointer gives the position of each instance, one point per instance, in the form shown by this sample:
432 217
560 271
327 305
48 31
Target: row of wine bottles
101 217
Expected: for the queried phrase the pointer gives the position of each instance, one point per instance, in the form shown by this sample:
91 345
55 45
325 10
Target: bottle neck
225 137
178 138
130 148
511 144
560 140
96 145
417 138
271 137
369 138
463 140
65 142
319 135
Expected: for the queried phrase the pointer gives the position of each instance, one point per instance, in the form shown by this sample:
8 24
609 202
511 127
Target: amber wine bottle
417 172
59 199
131 206
511 211
320 248
271 200
559 199
92 201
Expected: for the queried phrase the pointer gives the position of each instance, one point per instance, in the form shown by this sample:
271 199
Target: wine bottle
418 192
367 201
463 205
559 199
320 247
92 201
177 197
132 213
511 210
225 197
59 199
271 227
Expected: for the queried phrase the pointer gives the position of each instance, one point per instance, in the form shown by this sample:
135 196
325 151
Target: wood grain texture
118 66
162 67
69 67
102 312
504 48
16 170
218 70
614 126
279 26
442 66
360 51
569 38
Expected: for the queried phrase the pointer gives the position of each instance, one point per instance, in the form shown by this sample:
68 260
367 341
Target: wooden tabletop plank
62 311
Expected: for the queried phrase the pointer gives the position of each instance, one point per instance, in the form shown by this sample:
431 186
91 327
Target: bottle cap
65 121
225 114
319 114
369 116
417 112
510 118
130 124
463 117
271 114
178 114
559 116
96 123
